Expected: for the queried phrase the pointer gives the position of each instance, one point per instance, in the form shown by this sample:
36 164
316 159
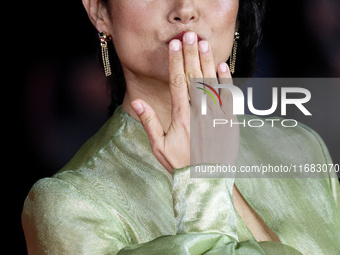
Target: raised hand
172 147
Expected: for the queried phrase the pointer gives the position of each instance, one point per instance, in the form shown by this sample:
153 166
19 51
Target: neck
154 92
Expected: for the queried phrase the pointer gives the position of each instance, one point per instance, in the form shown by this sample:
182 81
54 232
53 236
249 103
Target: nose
183 11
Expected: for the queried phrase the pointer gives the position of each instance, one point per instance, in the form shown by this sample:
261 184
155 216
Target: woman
128 189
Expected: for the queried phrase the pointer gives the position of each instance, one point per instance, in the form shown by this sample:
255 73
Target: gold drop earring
104 38
233 52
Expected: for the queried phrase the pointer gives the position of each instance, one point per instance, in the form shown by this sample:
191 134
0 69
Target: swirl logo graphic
209 93
238 99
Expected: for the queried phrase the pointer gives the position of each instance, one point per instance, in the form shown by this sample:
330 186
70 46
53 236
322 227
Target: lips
180 37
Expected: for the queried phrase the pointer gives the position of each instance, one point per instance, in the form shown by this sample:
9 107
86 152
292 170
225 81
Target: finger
223 71
191 61
225 94
150 122
192 67
207 60
224 76
177 80
209 71
191 56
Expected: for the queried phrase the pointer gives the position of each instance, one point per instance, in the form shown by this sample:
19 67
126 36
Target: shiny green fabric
114 197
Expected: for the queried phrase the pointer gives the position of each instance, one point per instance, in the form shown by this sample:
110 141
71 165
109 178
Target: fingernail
137 107
223 67
189 37
203 46
175 45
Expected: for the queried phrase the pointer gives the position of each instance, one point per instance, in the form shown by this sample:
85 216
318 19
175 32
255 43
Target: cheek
223 24
226 9
132 33
125 28
134 23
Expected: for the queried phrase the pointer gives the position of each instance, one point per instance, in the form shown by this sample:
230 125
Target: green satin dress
114 197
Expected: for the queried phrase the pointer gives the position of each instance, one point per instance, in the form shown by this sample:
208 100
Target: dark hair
250 17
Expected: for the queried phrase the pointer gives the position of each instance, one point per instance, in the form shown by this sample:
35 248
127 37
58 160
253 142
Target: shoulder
54 196
298 148
47 189
283 134
57 213
292 147
67 191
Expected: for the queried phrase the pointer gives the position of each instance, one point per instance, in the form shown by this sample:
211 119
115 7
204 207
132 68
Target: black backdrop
60 96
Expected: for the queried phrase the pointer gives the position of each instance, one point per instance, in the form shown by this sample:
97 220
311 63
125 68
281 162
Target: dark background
60 97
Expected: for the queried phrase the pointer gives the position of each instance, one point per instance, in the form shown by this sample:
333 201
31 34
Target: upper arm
58 219
323 150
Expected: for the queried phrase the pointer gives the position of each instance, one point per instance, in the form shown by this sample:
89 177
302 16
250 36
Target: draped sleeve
60 219
114 197
205 222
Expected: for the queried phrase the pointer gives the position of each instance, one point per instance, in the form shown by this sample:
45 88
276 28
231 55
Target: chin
160 72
